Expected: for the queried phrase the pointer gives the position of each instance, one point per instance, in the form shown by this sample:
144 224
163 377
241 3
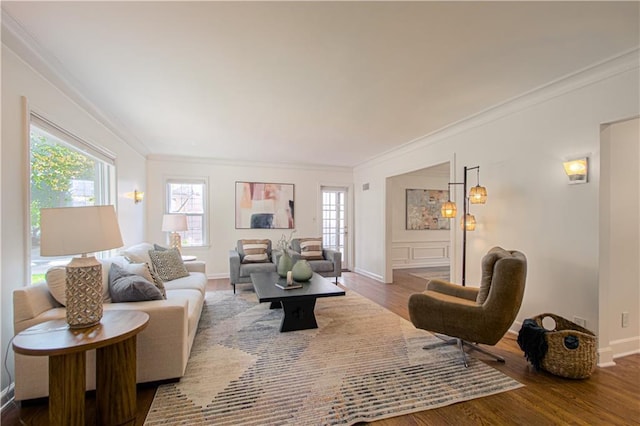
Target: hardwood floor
611 396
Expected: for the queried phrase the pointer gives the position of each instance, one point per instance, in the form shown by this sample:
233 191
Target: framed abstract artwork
423 209
262 205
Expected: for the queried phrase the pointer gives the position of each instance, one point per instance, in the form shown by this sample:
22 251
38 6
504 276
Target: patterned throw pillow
158 282
255 251
311 248
168 264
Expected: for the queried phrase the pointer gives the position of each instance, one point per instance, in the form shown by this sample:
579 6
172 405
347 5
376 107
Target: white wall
520 148
20 80
620 238
222 177
416 248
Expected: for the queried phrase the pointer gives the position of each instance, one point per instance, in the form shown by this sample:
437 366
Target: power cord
12 402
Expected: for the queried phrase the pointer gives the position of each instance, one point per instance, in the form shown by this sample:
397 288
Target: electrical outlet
625 319
580 321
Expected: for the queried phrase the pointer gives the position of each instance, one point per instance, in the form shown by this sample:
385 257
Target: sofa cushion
246 269
126 286
253 251
311 248
56 278
195 281
321 265
168 264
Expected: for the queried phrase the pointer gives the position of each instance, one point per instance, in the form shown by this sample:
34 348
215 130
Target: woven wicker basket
561 360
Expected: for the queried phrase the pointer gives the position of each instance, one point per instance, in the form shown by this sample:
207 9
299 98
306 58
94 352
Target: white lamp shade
78 230
174 223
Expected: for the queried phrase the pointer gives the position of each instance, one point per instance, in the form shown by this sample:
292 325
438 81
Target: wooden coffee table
298 304
114 339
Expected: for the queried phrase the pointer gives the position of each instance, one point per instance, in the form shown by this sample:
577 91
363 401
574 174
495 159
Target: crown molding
241 163
28 49
621 63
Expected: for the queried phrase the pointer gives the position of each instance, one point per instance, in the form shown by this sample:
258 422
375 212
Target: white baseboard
625 347
369 274
218 276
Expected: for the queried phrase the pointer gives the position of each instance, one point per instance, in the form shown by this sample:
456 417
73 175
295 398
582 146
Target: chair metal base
446 340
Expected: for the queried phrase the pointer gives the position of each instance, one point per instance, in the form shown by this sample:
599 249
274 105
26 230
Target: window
188 197
65 171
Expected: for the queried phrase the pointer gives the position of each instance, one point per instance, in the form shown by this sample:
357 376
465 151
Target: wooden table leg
116 383
67 375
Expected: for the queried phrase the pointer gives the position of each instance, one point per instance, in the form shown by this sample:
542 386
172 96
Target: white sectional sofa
163 347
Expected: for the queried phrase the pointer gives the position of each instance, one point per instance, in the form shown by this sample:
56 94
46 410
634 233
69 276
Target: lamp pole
465 212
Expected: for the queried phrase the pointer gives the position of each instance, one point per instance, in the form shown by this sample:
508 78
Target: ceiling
327 83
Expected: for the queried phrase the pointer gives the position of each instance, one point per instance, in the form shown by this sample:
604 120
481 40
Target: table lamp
80 230
174 223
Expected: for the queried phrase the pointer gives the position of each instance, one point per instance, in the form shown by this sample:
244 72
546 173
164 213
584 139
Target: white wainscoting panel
419 254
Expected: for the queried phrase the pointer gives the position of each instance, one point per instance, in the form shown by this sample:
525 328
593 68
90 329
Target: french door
334 221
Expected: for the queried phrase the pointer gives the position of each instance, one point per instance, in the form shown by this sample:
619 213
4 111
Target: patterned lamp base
175 241
84 292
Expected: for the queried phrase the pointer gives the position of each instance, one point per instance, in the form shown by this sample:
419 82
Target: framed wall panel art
423 209
262 205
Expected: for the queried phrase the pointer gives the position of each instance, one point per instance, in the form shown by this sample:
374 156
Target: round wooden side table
114 340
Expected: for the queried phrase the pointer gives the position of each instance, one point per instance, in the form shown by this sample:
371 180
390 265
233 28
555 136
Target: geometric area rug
362 363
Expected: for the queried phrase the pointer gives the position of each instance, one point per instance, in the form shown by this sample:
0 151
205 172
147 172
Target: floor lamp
477 195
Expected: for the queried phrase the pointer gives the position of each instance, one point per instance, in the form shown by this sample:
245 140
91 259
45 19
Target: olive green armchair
472 315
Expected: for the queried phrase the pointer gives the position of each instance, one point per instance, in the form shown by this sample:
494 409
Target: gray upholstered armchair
249 256
474 315
323 261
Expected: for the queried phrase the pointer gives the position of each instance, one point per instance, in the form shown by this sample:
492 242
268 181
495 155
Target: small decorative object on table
289 284
302 270
286 286
285 263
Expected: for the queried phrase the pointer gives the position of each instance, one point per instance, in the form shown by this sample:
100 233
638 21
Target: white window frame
106 174
205 206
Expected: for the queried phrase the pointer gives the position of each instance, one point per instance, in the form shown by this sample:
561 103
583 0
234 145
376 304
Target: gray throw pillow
127 287
168 264
158 247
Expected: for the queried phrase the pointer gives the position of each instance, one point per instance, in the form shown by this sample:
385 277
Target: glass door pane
334 215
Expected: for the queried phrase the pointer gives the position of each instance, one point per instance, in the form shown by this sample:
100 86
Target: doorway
334 221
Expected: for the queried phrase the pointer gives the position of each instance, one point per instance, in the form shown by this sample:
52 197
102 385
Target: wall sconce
137 196
576 170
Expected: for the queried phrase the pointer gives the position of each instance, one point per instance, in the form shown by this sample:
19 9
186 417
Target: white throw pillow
57 283
138 253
